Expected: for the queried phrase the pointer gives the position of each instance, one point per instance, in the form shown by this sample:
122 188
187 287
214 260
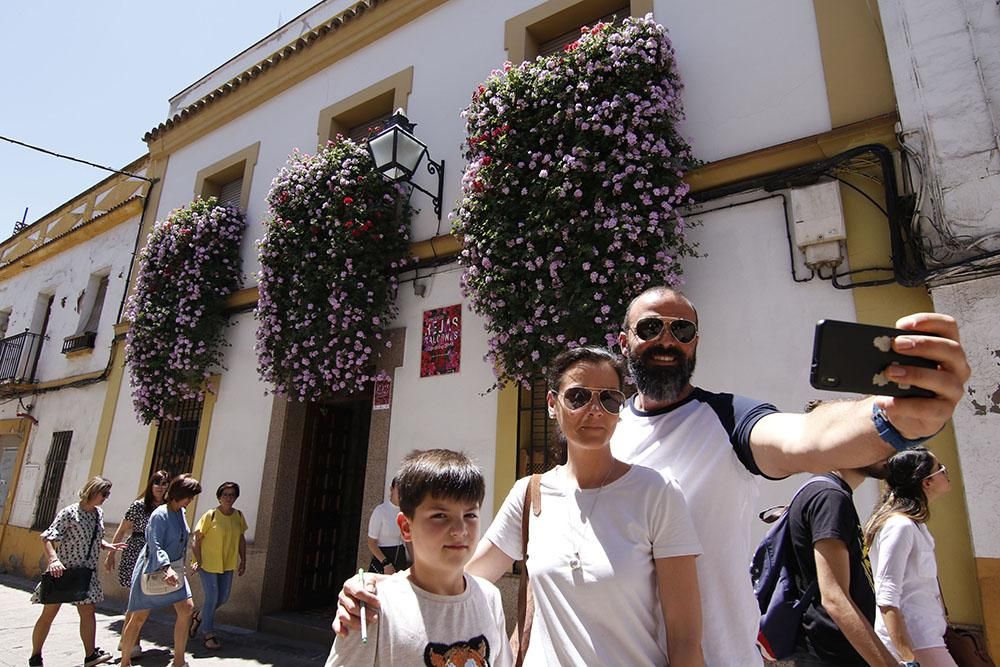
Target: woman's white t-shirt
607 612
906 578
382 526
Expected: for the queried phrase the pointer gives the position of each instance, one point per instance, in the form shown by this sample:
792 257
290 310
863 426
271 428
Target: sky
89 79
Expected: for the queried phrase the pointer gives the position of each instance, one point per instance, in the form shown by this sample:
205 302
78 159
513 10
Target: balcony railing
19 358
77 342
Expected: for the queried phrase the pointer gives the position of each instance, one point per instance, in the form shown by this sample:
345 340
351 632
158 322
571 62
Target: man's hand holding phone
918 417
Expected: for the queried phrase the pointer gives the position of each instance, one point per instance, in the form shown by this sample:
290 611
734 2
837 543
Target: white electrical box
818 223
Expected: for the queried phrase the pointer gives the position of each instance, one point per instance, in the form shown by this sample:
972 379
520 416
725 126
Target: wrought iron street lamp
397 154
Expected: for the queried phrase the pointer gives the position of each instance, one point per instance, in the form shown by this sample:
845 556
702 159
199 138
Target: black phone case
851 357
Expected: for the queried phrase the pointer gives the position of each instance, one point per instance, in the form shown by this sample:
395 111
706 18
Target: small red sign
382 399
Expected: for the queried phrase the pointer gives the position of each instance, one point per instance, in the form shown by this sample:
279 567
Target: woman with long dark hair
134 525
911 620
167 537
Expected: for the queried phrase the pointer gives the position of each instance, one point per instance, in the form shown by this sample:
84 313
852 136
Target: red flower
349 224
348 201
486 160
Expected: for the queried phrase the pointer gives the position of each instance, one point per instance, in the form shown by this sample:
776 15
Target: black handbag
74 583
72 586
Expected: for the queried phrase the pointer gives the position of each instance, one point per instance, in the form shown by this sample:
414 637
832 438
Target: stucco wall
67 276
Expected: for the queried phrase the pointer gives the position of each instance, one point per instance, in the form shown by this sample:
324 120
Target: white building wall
70 409
67 276
752 79
946 71
975 305
756 324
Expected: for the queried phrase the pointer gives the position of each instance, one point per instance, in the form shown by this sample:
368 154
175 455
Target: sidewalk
63 647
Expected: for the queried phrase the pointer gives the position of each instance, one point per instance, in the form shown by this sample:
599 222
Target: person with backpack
837 625
220 548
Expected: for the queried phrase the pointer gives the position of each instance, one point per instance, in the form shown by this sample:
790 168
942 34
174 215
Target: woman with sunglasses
613 545
911 619
74 540
134 525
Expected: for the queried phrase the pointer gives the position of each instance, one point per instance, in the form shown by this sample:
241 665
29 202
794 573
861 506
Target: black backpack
781 606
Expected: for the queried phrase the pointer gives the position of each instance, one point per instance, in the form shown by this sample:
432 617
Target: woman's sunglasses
576 398
942 469
648 328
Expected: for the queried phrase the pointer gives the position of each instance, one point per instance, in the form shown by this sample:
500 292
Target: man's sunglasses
648 328
576 398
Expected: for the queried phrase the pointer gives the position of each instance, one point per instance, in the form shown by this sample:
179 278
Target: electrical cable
75 159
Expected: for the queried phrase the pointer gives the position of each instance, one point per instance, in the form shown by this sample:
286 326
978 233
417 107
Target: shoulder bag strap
93 538
525 599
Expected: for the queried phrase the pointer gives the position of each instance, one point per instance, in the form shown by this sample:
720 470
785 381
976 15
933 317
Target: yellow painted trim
20 426
147 460
22 551
505 467
203 117
988 574
201 444
877 130
77 236
438 246
524 32
241 299
858 83
111 395
209 181
62 382
83 352
386 96
855 62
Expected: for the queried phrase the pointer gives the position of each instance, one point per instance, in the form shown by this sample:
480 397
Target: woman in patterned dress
75 539
134 526
167 537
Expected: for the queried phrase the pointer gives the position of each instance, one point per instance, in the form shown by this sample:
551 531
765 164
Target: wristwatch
889 434
911 663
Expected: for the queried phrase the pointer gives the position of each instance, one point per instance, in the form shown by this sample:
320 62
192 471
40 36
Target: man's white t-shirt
420 628
704 443
382 526
607 612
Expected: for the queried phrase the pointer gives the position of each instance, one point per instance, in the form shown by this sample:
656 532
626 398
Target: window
555 23
229 179
4 322
538 446
176 439
355 115
559 42
92 304
55 466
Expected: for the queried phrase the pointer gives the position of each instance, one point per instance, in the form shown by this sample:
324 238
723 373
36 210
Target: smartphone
852 357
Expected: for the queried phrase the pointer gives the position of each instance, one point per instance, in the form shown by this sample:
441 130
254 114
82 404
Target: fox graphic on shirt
473 653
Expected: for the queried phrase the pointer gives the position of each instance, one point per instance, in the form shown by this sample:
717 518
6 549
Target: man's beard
661 383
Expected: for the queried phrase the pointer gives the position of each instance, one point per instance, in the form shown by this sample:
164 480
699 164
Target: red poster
442 341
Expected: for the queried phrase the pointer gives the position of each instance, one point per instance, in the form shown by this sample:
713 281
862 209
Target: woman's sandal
212 644
195 624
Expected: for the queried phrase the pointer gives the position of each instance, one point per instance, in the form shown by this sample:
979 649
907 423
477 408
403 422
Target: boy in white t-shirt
433 613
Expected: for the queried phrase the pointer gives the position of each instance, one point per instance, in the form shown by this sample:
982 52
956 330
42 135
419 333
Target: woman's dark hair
227 485
181 487
577 355
904 490
148 501
439 473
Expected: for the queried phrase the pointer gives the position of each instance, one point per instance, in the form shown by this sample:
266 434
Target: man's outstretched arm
842 435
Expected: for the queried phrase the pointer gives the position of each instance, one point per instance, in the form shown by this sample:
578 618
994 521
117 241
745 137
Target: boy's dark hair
439 473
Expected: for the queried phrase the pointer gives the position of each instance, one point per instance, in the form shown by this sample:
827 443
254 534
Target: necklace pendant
574 562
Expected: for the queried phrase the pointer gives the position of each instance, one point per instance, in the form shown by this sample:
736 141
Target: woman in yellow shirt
219 548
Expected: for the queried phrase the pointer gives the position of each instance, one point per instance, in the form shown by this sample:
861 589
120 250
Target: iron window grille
55 466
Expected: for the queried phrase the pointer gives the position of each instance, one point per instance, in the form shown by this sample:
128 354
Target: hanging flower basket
188 268
336 235
569 200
